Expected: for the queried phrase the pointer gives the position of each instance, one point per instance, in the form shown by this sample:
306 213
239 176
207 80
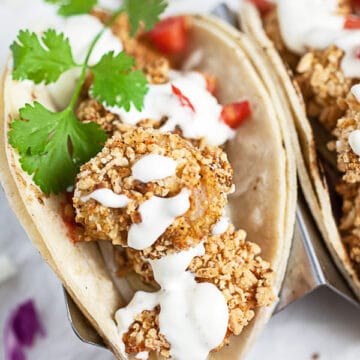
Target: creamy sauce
315 24
160 101
108 198
355 90
153 167
88 26
187 317
349 42
221 226
309 23
354 141
157 214
144 355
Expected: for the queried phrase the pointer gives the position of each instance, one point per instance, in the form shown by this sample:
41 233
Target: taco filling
157 188
319 40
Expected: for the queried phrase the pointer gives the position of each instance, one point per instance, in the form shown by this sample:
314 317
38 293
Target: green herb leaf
73 7
145 12
52 145
116 84
41 61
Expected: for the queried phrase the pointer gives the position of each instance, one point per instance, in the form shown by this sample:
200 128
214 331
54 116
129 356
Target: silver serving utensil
310 265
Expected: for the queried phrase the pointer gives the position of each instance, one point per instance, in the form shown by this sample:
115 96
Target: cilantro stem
85 65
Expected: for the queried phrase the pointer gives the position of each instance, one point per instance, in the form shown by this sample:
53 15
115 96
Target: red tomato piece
184 100
235 114
352 22
264 6
170 35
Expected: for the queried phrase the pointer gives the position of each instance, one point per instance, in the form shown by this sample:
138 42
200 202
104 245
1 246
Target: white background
321 324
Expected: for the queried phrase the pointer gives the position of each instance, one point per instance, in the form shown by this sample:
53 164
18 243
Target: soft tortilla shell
260 204
311 175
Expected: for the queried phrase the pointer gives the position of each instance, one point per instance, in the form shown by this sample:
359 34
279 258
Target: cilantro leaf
73 7
52 146
116 84
41 60
145 12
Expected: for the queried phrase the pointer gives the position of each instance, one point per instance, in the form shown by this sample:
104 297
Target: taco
312 49
157 206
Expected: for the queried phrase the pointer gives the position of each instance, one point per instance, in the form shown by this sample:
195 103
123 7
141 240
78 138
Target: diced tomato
264 6
235 114
170 35
210 83
352 22
184 100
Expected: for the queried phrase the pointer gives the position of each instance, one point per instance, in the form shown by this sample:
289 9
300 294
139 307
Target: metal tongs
310 265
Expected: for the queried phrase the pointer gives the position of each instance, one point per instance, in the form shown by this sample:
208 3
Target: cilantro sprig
53 145
41 60
140 12
73 7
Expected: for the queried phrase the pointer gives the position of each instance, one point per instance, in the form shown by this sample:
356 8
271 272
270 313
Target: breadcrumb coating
91 110
348 161
232 264
323 84
350 221
206 173
144 335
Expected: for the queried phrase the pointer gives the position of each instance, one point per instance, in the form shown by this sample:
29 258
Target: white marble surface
321 324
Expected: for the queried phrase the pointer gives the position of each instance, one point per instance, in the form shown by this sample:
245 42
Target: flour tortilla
311 172
263 203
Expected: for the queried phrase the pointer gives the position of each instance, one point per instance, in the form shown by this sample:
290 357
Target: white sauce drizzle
355 90
157 215
354 141
314 24
354 136
88 26
221 226
160 102
108 198
187 317
153 167
143 355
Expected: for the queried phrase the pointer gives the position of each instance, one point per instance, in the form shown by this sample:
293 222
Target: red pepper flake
352 22
184 100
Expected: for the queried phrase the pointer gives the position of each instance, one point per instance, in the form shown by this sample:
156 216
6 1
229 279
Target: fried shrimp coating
350 220
233 265
323 84
206 173
348 161
91 110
